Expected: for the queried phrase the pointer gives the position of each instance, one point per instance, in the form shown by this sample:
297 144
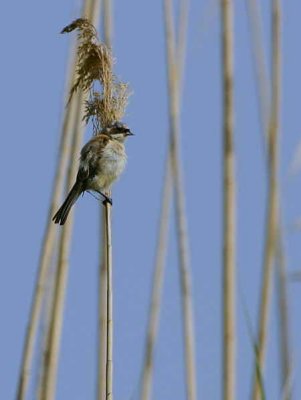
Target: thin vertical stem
229 256
263 84
53 345
46 250
91 10
263 95
107 22
272 204
283 321
102 311
154 311
109 355
153 322
103 273
173 86
182 42
108 237
51 271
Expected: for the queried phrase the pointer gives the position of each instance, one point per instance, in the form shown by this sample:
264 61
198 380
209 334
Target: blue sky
34 61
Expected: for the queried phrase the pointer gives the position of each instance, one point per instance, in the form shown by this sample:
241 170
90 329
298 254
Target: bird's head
118 131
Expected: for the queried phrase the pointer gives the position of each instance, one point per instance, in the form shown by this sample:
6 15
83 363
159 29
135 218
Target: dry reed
153 322
286 363
103 107
263 95
53 344
182 233
105 346
229 335
95 66
272 221
47 248
44 265
102 311
89 8
109 352
260 65
52 349
49 294
103 266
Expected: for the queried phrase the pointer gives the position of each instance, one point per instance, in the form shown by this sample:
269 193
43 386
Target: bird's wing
89 156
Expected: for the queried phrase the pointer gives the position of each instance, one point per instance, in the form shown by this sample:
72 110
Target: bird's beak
129 133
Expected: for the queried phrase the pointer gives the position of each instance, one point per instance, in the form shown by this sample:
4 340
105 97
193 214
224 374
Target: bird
102 160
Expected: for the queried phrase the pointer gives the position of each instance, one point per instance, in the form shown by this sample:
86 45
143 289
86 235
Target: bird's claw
107 200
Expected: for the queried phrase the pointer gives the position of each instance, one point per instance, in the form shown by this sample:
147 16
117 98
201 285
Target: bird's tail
62 214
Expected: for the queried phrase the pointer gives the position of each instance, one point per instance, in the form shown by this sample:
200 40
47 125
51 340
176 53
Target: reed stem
272 221
154 311
182 232
103 273
109 354
47 249
90 10
53 345
229 247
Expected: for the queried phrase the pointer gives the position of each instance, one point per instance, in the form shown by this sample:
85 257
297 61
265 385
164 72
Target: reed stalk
102 302
51 271
105 326
54 334
229 247
109 352
260 65
263 95
102 312
53 345
44 265
286 363
154 311
47 249
105 105
108 22
272 220
182 233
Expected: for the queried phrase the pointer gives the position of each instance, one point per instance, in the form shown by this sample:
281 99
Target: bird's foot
107 199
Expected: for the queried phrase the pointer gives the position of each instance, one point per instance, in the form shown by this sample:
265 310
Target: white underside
111 165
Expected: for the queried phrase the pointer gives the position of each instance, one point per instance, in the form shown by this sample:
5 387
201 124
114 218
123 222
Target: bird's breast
111 164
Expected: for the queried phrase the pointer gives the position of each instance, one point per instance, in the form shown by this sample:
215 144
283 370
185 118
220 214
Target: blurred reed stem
56 321
260 65
108 22
48 245
229 247
51 272
272 221
44 263
154 311
182 232
285 347
263 94
105 334
90 10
